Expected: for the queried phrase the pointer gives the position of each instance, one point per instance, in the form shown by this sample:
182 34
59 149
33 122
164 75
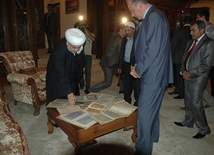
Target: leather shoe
199 136
183 108
173 93
121 92
87 91
178 97
179 124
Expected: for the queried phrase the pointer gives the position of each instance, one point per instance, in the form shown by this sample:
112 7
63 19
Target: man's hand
186 75
119 71
71 98
134 73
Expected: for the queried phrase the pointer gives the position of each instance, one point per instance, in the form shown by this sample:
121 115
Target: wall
68 20
206 3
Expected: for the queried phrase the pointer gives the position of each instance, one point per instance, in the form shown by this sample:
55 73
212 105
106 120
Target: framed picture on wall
71 6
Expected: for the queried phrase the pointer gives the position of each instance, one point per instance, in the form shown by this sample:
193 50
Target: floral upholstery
12 139
26 88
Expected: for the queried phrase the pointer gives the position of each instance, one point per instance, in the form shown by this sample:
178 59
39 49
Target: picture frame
71 6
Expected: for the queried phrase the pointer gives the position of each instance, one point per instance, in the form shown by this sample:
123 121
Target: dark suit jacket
122 53
61 73
179 42
112 52
50 23
153 52
200 62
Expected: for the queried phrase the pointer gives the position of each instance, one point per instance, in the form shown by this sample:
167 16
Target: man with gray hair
64 66
153 66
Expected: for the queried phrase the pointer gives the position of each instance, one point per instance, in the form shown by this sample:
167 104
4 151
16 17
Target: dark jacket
112 53
62 72
179 42
50 23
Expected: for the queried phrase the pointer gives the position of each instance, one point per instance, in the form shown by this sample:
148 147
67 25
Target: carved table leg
50 126
134 134
15 102
79 148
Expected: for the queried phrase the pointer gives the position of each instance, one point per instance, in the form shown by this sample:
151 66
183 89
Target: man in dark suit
154 68
178 45
51 26
125 65
64 65
196 64
110 60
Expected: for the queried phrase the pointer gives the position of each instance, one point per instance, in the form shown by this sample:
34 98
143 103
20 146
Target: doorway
56 9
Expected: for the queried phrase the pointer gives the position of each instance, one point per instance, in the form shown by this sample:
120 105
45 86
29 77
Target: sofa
12 139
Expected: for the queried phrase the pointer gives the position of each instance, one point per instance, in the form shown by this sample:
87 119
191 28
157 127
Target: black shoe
81 86
179 124
173 93
183 108
178 97
87 91
121 92
199 136
206 106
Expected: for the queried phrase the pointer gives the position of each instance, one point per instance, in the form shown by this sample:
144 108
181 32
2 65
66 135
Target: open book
78 118
95 108
123 108
118 110
58 103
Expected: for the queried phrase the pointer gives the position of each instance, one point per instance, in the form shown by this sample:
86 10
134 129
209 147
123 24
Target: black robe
63 72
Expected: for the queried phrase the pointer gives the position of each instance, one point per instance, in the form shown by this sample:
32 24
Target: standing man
90 38
204 15
124 62
196 64
64 66
110 60
51 26
153 67
178 46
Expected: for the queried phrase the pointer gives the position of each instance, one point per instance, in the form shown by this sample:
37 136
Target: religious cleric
64 65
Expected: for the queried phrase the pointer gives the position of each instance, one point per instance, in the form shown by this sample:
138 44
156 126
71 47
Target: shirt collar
147 11
200 37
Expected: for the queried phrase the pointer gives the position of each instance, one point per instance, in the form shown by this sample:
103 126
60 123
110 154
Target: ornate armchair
27 81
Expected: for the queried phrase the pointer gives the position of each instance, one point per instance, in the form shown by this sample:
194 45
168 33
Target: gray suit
199 64
109 62
154 65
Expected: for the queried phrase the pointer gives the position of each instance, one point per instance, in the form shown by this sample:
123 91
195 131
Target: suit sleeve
150 42
207 58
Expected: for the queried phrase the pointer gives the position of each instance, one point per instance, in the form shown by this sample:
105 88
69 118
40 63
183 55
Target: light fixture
124 20
81 17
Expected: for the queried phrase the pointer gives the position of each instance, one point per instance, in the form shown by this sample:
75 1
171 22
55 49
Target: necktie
189 53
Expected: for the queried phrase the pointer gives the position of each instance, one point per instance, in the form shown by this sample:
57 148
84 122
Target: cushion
32 72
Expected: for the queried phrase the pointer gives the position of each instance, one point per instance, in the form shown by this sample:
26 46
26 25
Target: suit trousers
148 119
88 63
179 87
194 109
51 36
129 84
108 73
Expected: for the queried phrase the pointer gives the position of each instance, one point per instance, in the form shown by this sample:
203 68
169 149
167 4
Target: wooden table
80 138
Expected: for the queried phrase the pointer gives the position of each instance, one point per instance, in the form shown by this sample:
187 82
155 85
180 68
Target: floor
173 140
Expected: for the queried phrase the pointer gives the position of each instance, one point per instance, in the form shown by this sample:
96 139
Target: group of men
145 58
